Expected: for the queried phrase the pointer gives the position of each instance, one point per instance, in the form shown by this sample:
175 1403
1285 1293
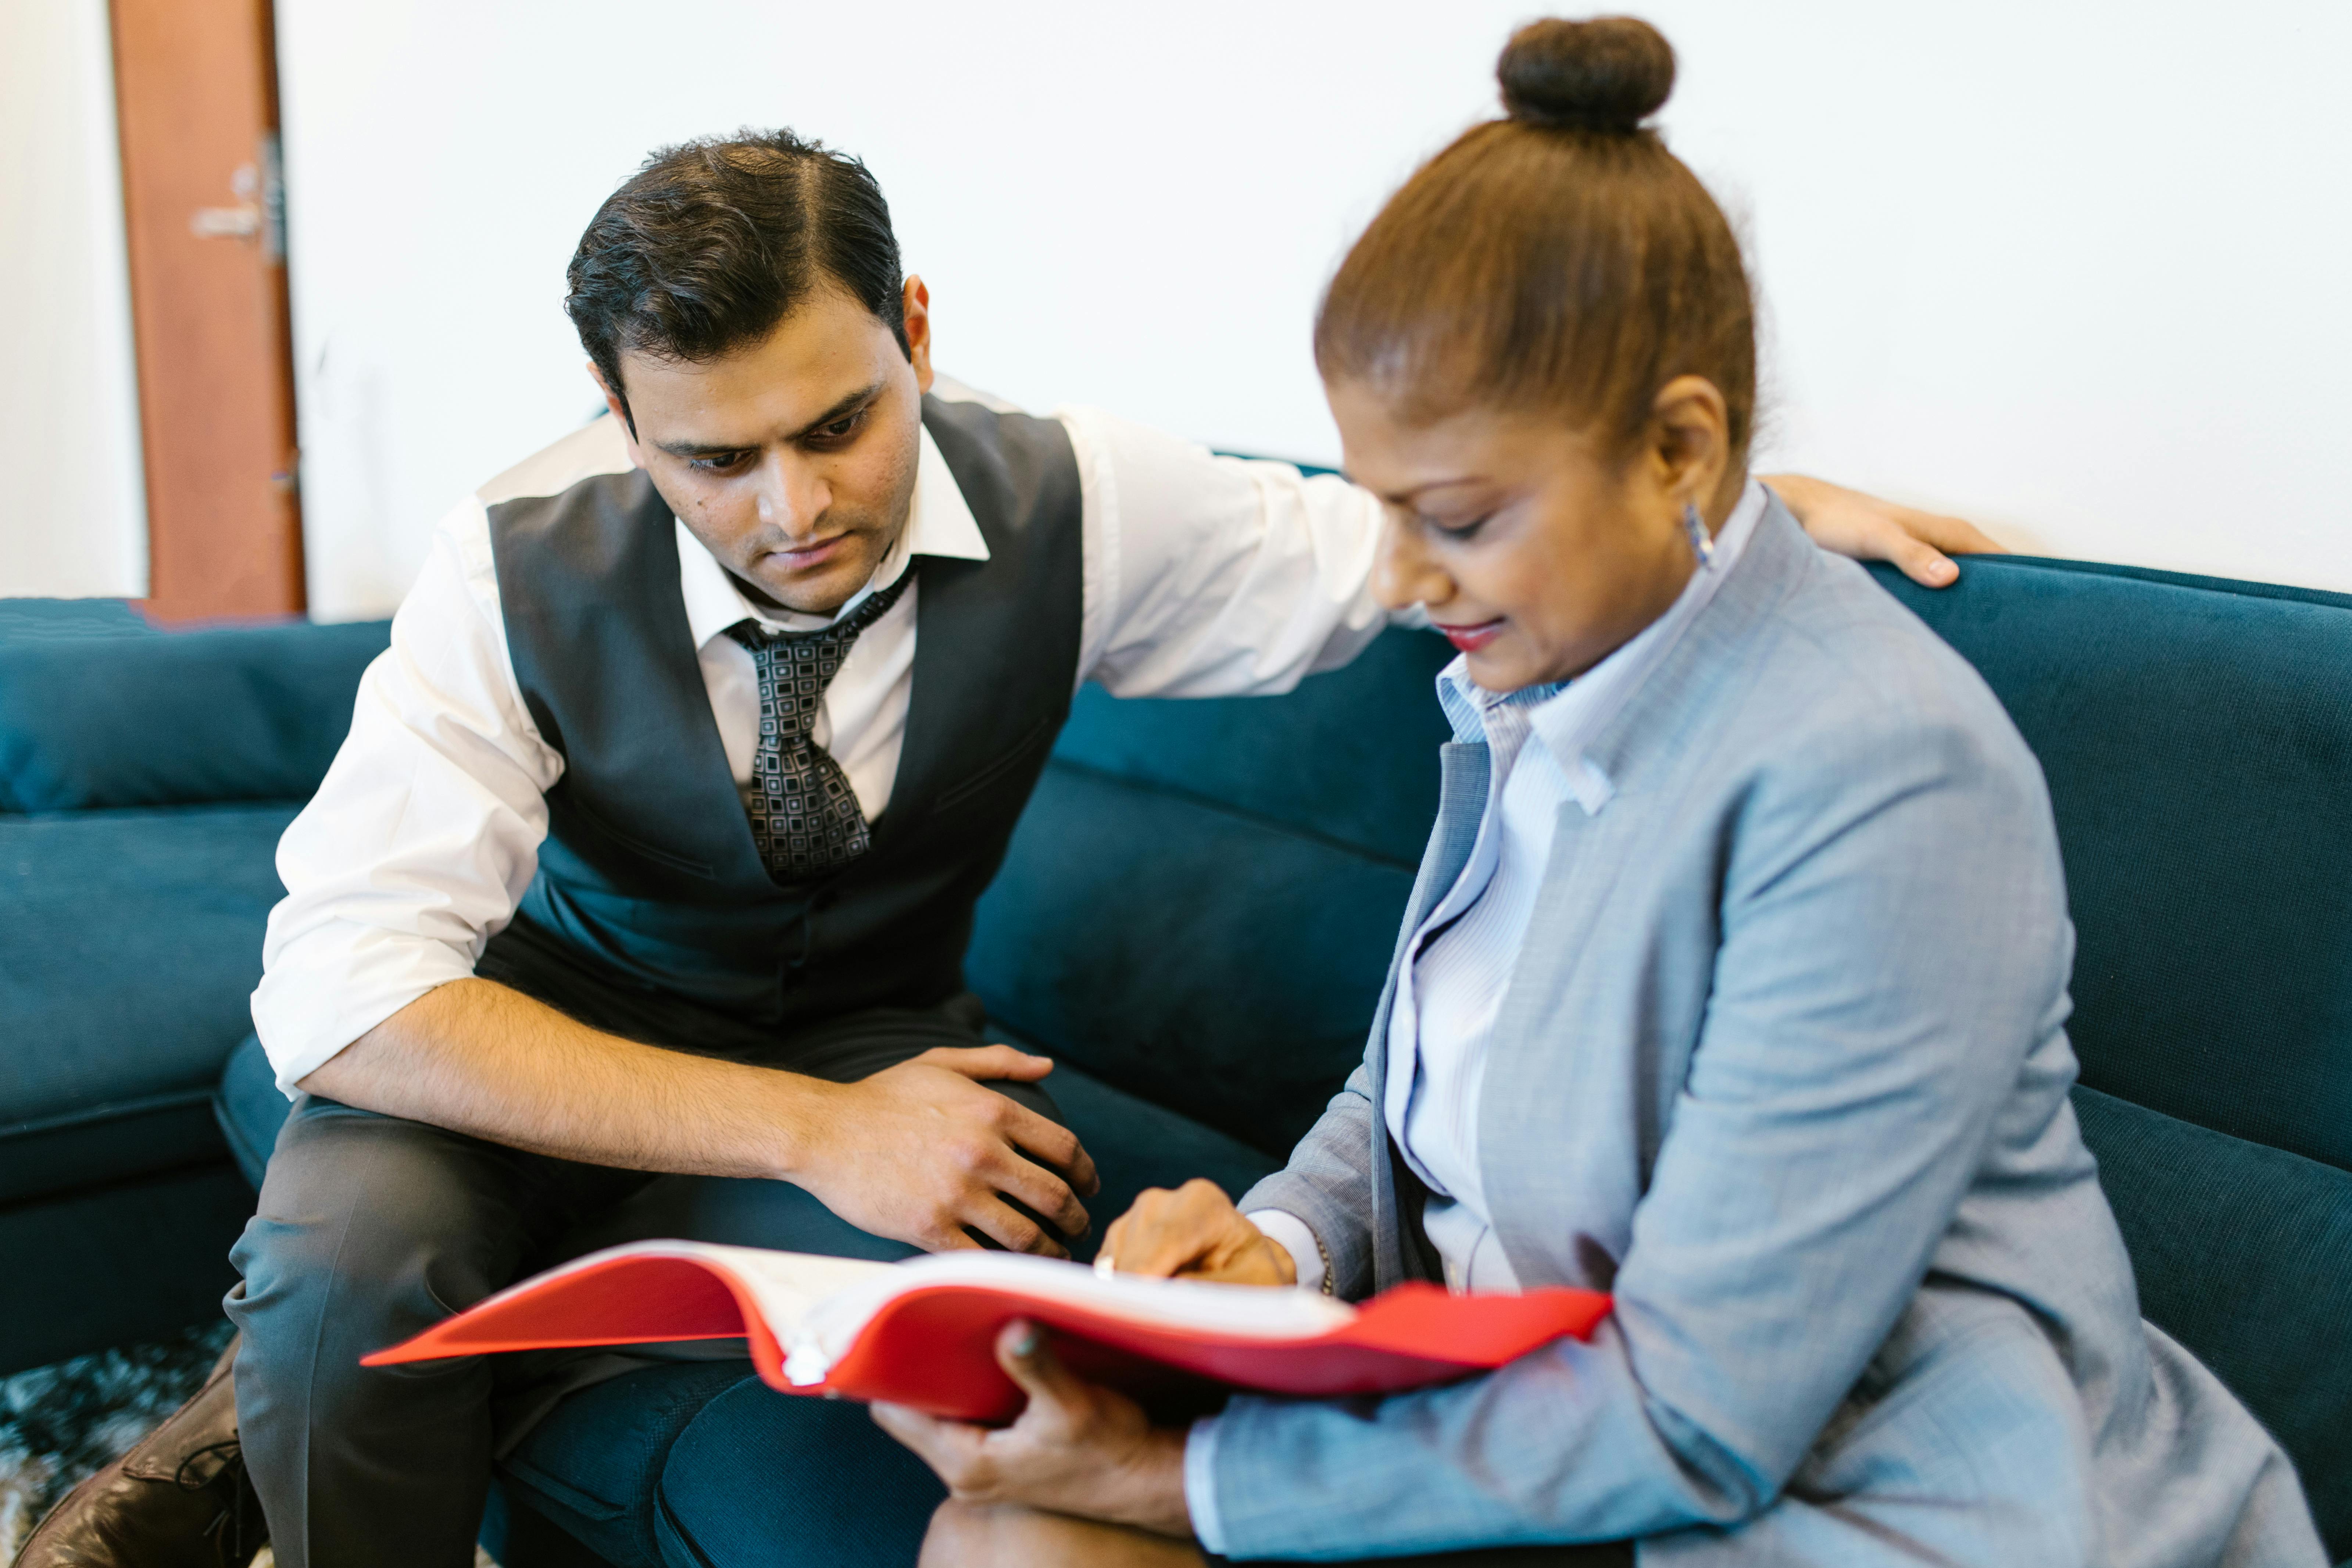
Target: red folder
923 1333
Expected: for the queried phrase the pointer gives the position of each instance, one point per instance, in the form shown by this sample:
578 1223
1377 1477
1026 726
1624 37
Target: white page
786 1285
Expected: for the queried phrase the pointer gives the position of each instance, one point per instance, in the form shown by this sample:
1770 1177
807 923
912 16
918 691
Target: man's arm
426 831
916 1152
1210 577
1214 576
413 853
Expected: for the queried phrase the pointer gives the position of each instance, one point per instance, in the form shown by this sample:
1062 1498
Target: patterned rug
57 1423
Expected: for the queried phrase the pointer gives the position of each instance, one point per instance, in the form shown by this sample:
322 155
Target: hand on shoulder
1919 543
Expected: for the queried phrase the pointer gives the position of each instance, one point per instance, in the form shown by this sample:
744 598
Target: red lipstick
1470 640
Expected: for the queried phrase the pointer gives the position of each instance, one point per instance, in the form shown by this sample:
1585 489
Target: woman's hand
1869 529
1077 1449
1196 1233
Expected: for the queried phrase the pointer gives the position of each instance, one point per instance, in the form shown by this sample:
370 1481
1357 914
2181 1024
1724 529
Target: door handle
260 209
225 222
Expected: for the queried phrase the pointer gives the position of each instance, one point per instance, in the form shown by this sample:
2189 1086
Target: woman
1734 982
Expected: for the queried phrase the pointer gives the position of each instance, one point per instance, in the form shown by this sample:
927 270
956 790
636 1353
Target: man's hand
1077 1449
1869 529
921 1152
916 1152
1196 1233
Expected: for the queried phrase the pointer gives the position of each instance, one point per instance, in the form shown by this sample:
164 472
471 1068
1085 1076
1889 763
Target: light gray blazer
1784 1066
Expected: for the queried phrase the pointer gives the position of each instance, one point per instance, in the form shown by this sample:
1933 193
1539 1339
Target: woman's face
1535 553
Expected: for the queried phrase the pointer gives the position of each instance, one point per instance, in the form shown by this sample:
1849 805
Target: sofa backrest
1200 903
2196 734
38 618
118 716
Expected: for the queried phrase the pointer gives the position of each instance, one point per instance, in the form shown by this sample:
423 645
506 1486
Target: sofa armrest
250 713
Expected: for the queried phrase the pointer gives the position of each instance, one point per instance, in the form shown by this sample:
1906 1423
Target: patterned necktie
804 816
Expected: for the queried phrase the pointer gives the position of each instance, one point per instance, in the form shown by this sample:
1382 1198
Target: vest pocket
637 845
1004 763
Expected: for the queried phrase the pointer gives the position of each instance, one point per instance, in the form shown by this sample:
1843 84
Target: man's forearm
477 1057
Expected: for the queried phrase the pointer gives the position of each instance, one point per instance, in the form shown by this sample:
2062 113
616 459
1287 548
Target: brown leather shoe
178 1499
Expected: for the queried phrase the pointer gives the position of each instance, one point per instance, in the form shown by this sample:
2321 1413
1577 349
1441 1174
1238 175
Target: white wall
73 510
2070 267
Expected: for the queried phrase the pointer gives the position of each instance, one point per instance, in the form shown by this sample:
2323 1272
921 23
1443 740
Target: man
655 843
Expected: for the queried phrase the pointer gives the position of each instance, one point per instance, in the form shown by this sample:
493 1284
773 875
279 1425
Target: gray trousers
371 1228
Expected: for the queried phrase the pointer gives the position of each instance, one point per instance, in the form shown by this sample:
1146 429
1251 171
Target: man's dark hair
714 241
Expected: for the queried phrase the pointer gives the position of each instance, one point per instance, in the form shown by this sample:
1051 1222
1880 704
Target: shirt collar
1568 714
939 522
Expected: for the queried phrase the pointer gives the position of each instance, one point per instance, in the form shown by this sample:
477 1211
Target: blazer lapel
1537 1066
1461 804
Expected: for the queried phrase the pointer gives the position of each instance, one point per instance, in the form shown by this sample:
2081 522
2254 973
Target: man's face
791 459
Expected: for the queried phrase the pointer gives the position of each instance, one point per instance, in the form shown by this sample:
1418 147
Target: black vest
649 880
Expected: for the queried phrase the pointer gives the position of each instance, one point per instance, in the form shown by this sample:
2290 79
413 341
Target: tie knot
804 813
835 638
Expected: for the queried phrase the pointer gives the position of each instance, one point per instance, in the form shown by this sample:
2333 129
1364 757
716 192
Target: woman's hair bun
1608 74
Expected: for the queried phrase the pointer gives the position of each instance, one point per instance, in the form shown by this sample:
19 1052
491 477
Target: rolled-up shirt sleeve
426 829
1214 576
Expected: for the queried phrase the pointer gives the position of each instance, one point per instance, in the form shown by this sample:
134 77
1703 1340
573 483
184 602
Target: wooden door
196 95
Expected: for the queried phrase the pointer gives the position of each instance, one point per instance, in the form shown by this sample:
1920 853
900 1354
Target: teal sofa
1194 919
144 780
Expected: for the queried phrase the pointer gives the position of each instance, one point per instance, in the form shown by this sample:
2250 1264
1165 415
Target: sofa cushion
1217 963
592 1466
105 1143
516 1534
2196 734
1200 902
250 713
2244 1254
134 942
1349 757
71 618
114 1265
727 1494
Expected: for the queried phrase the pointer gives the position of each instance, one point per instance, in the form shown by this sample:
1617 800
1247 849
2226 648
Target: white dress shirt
1461 957
1203 576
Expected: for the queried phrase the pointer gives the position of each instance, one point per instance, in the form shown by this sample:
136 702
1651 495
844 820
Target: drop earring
1694 527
